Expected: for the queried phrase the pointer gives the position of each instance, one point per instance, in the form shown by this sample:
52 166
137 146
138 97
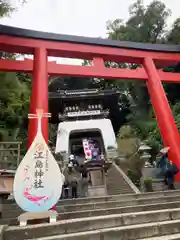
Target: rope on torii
39 115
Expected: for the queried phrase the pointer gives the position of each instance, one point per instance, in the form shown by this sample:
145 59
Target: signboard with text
38 180
84 113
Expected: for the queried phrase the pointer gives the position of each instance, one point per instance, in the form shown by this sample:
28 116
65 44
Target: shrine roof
83 93
25 33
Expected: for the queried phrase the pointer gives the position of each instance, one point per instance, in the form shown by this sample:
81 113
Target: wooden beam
86 71
84 51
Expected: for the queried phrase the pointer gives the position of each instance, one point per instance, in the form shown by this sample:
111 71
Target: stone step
102 205
118 197
132 232
119 203
92 223
114 176
101 212
11 205
118 210
167 237
158 186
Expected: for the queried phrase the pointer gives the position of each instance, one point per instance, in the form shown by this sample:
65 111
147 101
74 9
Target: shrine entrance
150 58
76 142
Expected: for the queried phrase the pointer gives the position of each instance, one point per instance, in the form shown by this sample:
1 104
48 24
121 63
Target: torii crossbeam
42 45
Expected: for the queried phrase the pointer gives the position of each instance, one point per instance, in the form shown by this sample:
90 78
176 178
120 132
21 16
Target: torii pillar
39 96
165 119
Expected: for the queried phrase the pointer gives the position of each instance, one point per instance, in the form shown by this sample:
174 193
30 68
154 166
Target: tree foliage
14 96
5 8
14 99
147 24
174 34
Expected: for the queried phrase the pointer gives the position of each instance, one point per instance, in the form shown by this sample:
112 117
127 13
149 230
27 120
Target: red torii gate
42 45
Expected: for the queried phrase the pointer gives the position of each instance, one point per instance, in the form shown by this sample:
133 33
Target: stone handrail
127 179
10 154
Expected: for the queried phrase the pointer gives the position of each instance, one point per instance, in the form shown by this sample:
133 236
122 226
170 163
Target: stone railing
127 179
10 155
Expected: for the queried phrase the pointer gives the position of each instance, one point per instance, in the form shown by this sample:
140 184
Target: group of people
168 169
72 184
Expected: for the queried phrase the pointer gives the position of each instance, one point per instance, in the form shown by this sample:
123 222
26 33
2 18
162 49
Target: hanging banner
87 150
38 180
94 150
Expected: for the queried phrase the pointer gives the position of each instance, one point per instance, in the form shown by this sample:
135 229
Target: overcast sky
77 17
80 17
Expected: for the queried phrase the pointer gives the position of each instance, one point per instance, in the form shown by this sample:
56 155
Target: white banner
87 150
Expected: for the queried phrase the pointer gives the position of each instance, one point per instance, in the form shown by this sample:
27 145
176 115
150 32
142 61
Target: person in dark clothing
84 181
170 174
162 164
66 189
74 185
84 173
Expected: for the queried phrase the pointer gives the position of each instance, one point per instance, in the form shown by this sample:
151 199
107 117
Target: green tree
174 34
14 95
14 99
146 24
5 8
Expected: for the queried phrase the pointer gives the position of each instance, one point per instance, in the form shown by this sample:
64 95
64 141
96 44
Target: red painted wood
86 71
98 63
167 126
16 65
39 96
82 51
93 71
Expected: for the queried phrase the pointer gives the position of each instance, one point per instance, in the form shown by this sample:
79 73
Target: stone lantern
144 152
148 169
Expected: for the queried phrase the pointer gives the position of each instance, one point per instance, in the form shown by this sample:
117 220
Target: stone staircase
148 216
118 183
